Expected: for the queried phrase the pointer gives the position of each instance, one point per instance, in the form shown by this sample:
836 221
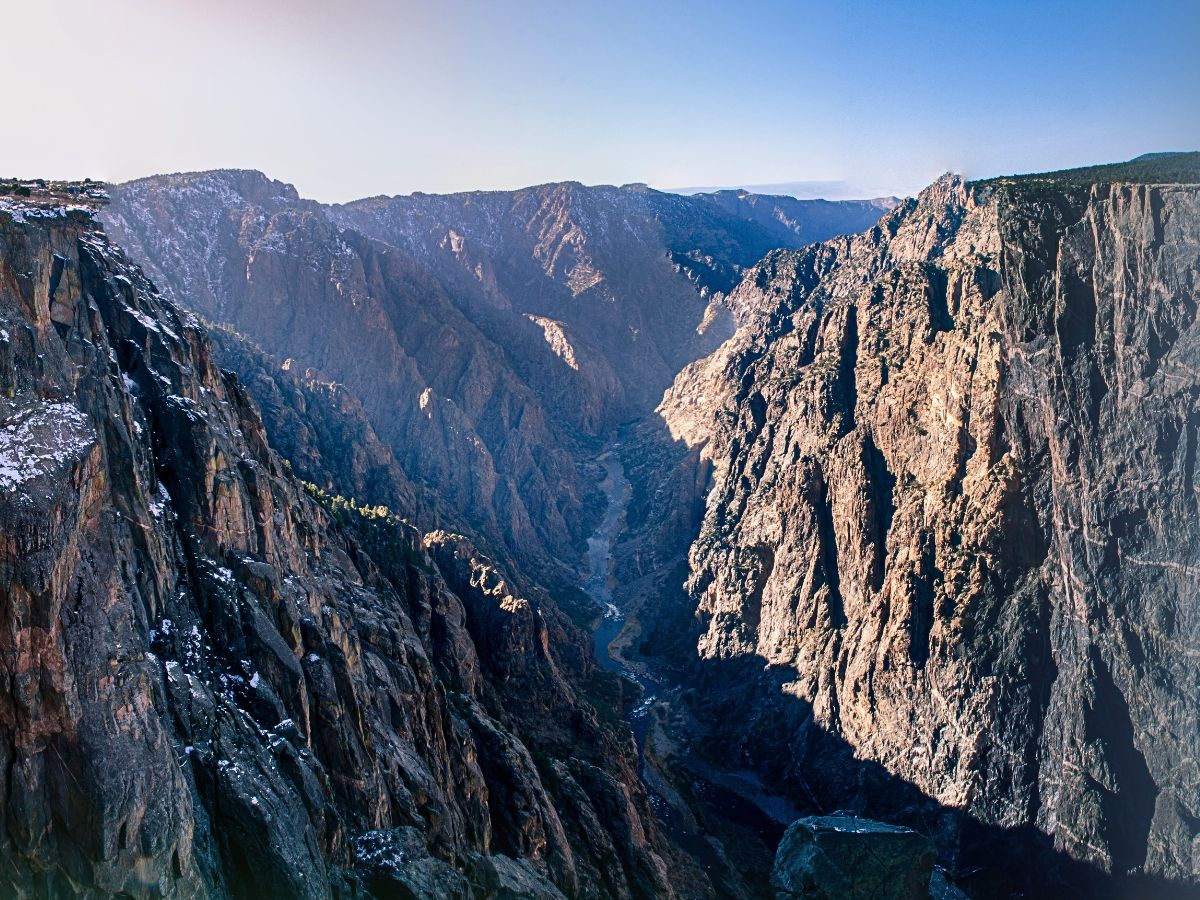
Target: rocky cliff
947 562
217 681
490 338
438 392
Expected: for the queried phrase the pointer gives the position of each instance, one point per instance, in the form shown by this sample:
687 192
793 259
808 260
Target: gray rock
503 878
842 857
942 888
949 545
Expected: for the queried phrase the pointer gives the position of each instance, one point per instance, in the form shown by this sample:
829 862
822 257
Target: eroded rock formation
216 681
947 564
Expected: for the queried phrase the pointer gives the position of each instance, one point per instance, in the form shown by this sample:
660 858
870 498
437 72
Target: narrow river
732 804
599 584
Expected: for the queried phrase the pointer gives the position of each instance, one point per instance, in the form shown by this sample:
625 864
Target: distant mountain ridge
485 334
833 190
797 221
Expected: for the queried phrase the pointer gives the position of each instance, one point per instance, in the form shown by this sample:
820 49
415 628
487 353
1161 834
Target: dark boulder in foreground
844 857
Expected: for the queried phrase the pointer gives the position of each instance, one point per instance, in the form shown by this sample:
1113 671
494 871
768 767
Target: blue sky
379 96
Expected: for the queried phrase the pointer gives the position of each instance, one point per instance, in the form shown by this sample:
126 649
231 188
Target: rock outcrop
216 681
947 565
842 857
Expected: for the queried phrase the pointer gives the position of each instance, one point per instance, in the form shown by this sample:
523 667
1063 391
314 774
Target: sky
361 97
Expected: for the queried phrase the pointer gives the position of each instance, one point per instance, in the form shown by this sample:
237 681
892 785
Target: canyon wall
219 681
949 554
491 339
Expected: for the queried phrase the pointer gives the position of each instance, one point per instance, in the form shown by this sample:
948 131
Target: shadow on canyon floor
820 774
747 722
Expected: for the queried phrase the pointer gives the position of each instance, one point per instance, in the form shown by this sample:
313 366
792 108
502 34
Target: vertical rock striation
216 682
952 536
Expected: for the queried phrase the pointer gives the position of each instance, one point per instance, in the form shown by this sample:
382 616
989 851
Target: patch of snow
146 322
159 504
15 210
40 440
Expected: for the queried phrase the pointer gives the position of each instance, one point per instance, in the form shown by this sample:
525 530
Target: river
733 796
599 584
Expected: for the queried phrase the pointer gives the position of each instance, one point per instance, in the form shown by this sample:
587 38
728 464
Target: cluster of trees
1152 168
339 505
390 540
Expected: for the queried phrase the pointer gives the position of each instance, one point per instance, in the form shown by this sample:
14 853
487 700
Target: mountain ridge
914 541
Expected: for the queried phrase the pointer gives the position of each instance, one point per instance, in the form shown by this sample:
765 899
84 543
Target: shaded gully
736 797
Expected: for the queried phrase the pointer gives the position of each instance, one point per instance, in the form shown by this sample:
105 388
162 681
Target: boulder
842 857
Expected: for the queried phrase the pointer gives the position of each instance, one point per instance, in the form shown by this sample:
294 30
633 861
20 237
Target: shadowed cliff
952 515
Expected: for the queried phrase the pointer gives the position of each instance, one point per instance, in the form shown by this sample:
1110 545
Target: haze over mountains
490 338
896 502
800 190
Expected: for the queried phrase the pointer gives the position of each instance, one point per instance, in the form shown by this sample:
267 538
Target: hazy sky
359 97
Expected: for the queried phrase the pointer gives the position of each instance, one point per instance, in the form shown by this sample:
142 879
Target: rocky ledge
218 681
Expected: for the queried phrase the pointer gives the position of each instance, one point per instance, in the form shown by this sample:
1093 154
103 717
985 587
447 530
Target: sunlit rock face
490 338
915 521
215 681
951 537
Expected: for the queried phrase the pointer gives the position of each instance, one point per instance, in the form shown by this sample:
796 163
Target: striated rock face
948 562
215 682
435 389
489 338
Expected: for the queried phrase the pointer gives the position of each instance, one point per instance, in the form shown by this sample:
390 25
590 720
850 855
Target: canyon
575 541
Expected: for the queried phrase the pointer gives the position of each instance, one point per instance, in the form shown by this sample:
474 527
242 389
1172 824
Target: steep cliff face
242 250
216 682
952 530
488 337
